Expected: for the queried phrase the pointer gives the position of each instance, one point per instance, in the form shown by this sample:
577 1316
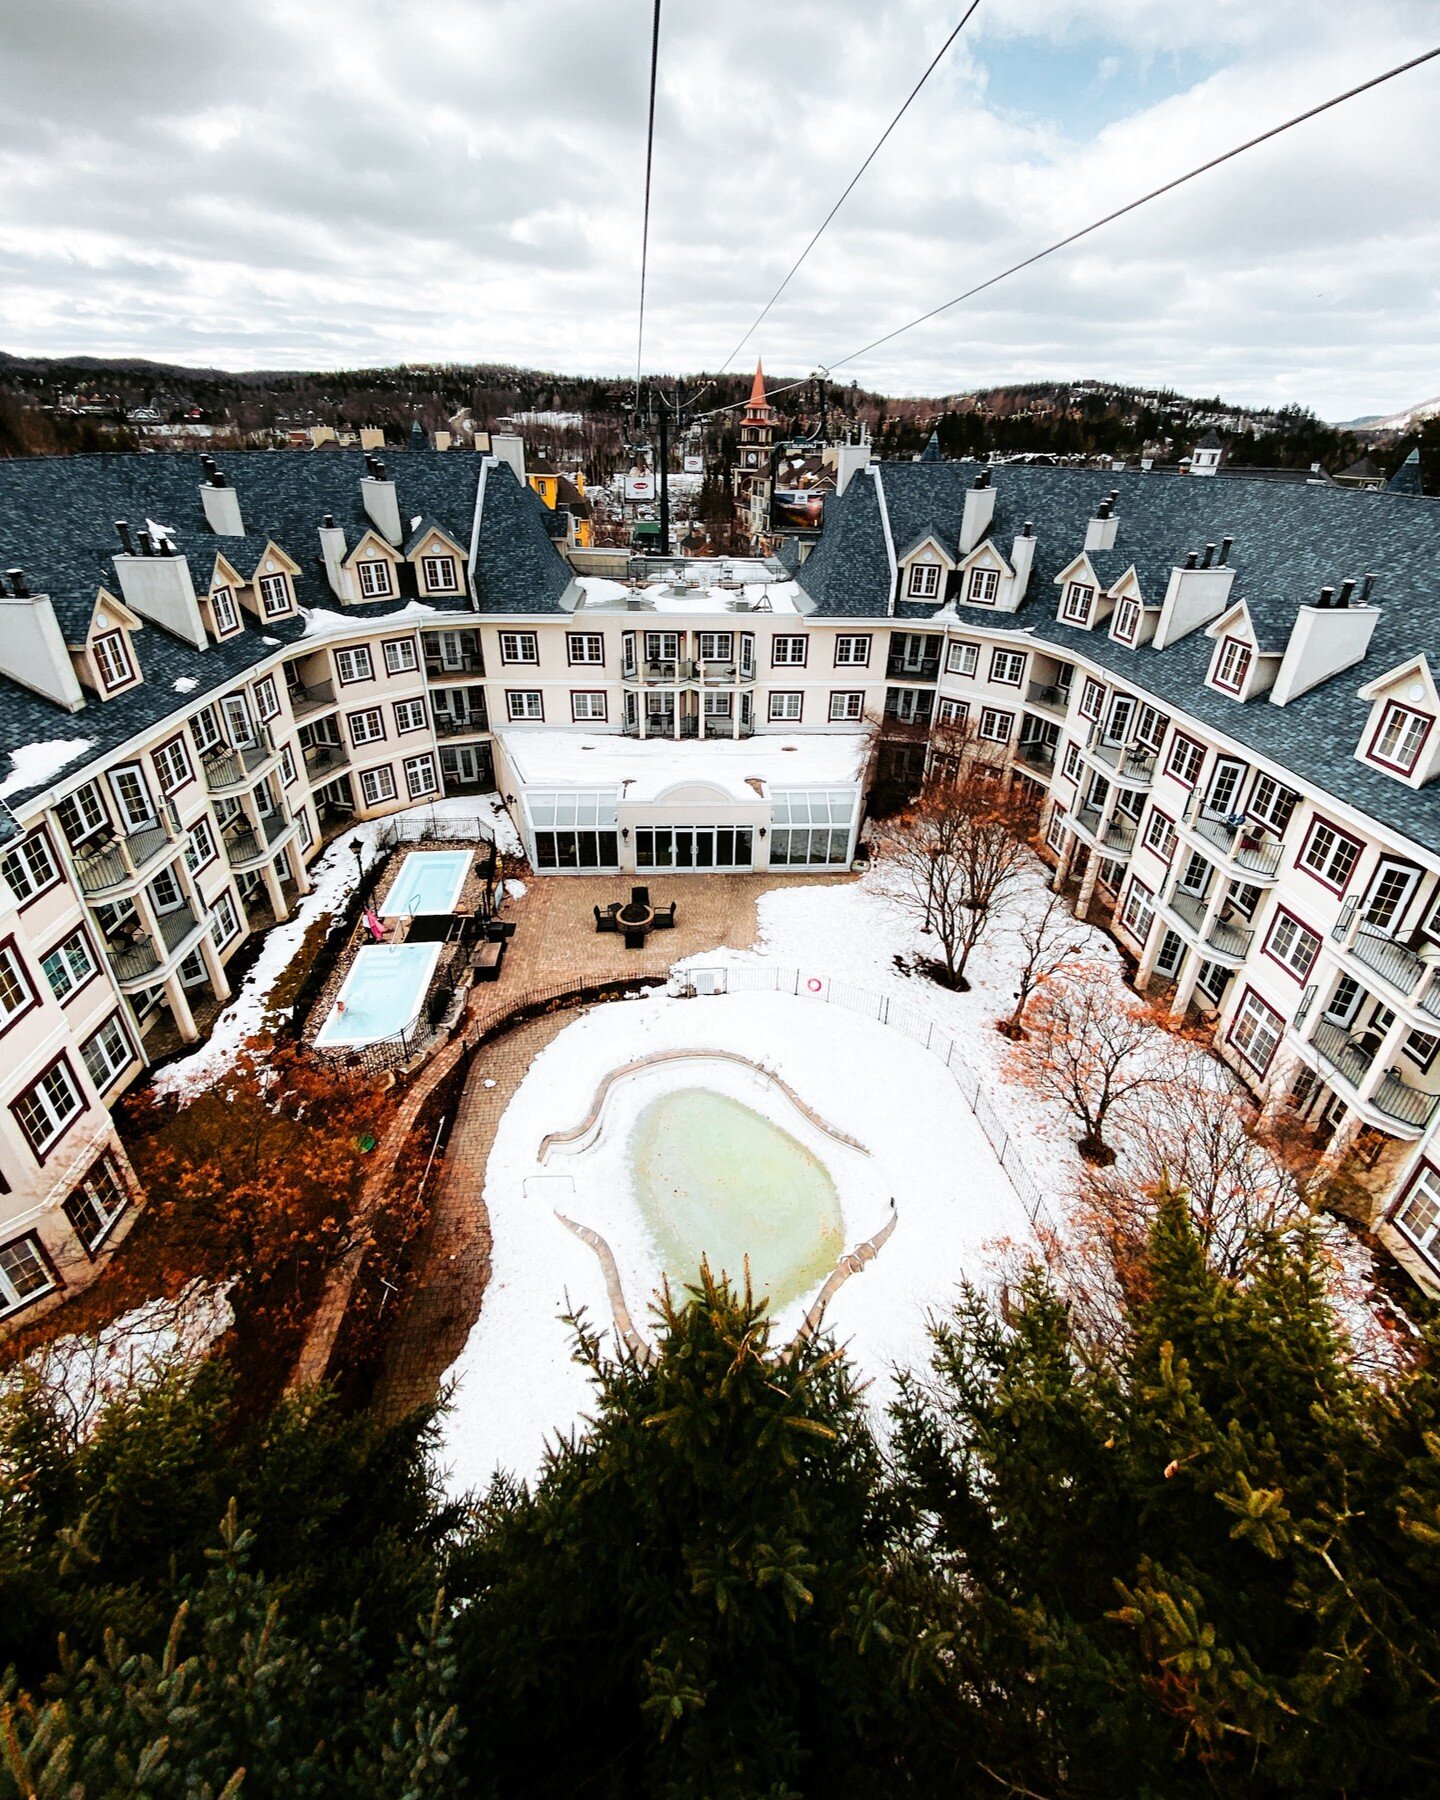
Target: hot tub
430 881
382 996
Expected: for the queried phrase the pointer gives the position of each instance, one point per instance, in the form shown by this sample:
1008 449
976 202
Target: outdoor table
635 920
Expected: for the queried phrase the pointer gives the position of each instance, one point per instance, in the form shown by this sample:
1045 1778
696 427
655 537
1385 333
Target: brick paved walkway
555 945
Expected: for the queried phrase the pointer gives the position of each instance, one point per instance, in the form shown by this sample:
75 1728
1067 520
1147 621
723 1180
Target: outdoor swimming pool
382 995
714 1178
430 881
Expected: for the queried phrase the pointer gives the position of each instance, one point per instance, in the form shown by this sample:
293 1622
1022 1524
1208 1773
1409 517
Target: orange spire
757 391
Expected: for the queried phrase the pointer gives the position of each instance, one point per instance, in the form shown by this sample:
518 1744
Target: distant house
1361 474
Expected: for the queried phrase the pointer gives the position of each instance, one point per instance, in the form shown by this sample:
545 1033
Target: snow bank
32 765
517 1385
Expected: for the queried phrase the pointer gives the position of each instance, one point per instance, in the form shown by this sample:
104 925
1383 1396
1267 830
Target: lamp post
357 850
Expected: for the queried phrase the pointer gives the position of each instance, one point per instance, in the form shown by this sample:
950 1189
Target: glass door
132 797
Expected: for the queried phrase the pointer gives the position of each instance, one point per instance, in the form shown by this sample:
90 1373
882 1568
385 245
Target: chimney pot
379 469
217 478
1327 597
329 521
1103 510
1347 588
1192 557
1225 544
1206 558
123 527
1027 529
19 583
1367 583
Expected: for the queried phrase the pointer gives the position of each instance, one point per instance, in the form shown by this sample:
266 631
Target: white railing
748 978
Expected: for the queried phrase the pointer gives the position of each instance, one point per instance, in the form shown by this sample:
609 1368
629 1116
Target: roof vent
123 527
982 480
1192 558
1104 509
329 521
1327 599
19 583
1367 585
1225 544
1028 528
1208 557
1347 588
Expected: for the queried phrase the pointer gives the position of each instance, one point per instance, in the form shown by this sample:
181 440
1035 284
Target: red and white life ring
814 984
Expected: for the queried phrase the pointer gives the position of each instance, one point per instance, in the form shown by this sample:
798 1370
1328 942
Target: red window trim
57 1281
55 863
179 738
354 680
1174 774
119 1017
405 730
573 662
1159 812
1125 637
363 743
93 1251
1005 680
1283 912
1384 762
43 1156
1305 869
1279 1018
1232 687
1392 1216
131 672
224 631
12 943
1089 682
96 961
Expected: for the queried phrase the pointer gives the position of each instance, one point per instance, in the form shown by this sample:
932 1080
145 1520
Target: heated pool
430 881
713 1178
382 995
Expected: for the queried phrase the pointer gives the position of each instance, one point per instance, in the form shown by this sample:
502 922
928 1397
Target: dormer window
1075 607
375 579
984 586
227 617
1232 665
924 581
1401 737
440 575
112 660
1127 617
274 595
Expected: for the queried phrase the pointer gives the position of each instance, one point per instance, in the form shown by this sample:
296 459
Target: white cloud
262 184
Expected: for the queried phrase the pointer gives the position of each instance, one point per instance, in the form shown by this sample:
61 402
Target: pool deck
555 944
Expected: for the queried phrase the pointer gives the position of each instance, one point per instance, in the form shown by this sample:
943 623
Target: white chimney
979 511
1100 531
382 503
221 503
32 647
158 586
333 548
510 448
1324 639
849 460
1022 559
1193 598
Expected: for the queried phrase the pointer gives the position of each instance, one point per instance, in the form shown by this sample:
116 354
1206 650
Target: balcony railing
1133 764
899 668
1088 819
448 725
1223 937
1120 835
1045 695
1352 1059
324 759
247 847
1414 978
227 770
128 859
317 697
145 957
1236 839
1036 754
715 727
472 663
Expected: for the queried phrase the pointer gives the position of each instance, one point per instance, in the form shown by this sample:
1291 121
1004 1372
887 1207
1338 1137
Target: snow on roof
646 768
32 765
695 586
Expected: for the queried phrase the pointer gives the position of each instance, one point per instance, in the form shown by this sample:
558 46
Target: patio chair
664 918
639 896
605 921
634 937
500 931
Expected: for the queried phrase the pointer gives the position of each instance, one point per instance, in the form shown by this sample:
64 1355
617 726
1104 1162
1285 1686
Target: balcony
452 725
1351 1059
143 962
232 771
1229 942
904 668
1036 754
310 702
1133 766
453 668
1241 844
715 727
1408 977
127 861
1119 836
248 848
1087 820
322 760
1048 698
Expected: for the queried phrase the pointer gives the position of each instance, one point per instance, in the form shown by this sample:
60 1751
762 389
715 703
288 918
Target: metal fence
887 1009
436 828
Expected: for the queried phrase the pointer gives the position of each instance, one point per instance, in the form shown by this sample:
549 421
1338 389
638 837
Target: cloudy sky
264 183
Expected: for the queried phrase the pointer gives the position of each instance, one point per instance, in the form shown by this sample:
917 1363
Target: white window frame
227 613
366 727
962 658
400 656
274 595
172 765
45 1105
787 706
789 650
377 785
75 967
12 1296
421 776
1002 660
267 699
924 581
524 705
852 650
410 715
585 648
1422 1230
519 647
1075 607
356 659
983 587
113 660
1415 728
588 705
954 713
847 705
375 581
31 868
225 915
200 849
111 1038
442 576
996 725
1256 1022
1287 936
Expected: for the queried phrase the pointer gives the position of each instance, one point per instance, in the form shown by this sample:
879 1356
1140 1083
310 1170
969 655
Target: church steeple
753 478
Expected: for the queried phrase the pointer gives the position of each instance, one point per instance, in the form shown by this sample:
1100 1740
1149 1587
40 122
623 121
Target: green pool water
713 1178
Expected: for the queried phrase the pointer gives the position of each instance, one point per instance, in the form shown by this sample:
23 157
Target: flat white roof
644 768
698 593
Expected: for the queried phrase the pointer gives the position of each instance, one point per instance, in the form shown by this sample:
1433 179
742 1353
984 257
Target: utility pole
664 411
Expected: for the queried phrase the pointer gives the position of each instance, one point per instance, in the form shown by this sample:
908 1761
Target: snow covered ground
82 1372
517 1384
333 874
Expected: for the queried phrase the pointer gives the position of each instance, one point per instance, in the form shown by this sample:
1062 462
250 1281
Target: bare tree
1048 937
1095 1048
956 857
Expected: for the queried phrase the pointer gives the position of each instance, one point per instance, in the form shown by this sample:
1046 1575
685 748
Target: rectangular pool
430 881
382 996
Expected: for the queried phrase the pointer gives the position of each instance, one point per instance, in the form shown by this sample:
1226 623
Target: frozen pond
713 1178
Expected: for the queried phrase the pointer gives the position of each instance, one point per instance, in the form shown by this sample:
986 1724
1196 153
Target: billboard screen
797 509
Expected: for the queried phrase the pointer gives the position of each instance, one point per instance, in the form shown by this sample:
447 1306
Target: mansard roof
1406 479
57 523
1288 543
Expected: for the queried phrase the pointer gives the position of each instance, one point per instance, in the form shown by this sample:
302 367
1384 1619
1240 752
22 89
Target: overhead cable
645 228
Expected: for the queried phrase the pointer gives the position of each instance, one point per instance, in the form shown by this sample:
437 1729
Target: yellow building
561 493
